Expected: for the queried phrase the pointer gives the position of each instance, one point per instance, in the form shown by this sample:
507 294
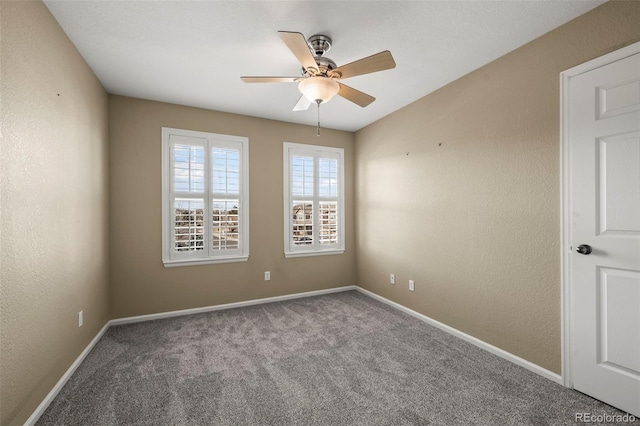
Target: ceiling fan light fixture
319 88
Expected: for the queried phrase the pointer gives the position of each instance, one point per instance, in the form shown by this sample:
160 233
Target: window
205 197
314 200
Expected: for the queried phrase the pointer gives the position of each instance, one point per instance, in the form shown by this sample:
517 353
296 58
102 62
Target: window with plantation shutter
204 198
314 200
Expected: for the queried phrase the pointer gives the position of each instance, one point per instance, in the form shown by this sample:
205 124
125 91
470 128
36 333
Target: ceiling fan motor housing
325 65
319 45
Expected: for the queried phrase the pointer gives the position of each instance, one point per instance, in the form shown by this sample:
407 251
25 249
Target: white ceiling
194 52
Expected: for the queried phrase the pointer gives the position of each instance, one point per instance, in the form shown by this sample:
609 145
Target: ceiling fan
318 81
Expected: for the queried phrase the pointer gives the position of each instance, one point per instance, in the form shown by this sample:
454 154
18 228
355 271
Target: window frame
210 141
291 149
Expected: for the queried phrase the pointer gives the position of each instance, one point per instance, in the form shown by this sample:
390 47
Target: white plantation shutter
205 197
188 225
328 226
314 200
227 206
187 162
301 205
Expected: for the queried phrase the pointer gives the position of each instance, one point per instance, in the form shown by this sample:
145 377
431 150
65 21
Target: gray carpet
339 359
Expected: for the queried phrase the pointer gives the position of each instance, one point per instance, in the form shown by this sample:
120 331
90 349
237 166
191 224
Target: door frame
566 237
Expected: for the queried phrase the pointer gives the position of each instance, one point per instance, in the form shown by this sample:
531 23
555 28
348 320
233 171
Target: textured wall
53 196
459 191
140 284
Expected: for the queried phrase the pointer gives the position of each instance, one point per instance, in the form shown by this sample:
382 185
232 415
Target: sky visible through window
302 173
226 171
188 168
189 173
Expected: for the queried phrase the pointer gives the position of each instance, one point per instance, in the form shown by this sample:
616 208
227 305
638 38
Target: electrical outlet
267 275
412 286
80 318
392 278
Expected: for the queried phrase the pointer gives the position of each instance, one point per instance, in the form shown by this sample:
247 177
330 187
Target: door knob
584 249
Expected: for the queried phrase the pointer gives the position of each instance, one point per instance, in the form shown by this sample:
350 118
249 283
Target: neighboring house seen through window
314 200
204 198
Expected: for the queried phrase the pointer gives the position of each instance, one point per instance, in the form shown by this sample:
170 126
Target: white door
604 218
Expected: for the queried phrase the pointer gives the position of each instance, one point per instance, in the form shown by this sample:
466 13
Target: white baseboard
63 380
473 340
151 317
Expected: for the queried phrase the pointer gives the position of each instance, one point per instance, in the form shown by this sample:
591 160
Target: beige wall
460 192
140 284
53 227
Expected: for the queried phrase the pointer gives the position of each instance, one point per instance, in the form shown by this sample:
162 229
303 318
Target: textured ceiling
194 52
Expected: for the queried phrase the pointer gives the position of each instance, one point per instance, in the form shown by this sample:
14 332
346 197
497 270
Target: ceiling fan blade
270 79
299 47
355 96
374 63
302 105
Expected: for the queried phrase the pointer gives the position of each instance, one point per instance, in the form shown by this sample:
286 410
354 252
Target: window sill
208 261
312 253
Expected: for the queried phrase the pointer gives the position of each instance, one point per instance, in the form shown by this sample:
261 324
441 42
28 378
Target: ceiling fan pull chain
318 101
